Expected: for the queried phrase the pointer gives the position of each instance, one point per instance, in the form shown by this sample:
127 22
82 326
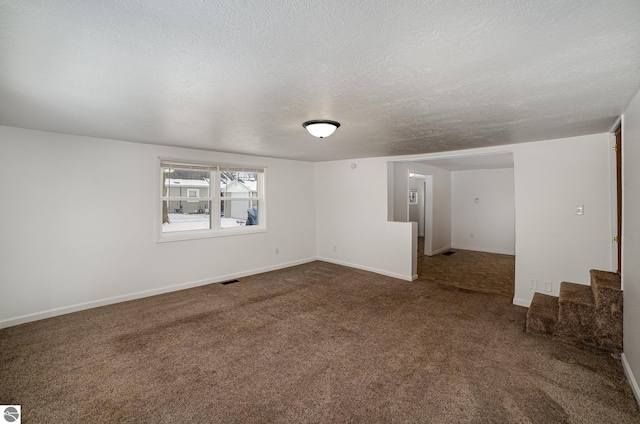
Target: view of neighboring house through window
239 192
191 192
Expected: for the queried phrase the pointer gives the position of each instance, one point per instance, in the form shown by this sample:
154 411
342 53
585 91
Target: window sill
204 234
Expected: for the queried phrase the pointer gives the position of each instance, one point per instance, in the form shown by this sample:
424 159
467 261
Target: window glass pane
186 215
188 197
238 184
238 213
179 182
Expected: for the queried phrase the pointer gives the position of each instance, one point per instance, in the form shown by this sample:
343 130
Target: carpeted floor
467 269
315 343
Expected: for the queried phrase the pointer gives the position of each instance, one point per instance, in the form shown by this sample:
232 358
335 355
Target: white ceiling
407 77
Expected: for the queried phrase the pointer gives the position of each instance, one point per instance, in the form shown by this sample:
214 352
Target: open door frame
618 150
428 215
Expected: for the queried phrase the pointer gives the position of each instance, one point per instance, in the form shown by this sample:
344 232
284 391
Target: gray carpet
316 343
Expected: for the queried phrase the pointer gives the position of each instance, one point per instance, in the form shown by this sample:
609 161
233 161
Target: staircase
588 316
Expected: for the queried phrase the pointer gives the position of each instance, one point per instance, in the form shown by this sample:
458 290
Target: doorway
420 209
469 222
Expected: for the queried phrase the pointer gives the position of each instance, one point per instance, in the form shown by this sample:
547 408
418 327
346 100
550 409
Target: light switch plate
579 209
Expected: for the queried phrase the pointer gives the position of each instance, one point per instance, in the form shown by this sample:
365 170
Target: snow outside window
191 192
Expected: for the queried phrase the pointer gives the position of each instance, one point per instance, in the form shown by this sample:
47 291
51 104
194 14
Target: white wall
69 249
489 224
550 178
390 191
352 225
441 218
552 243
631 240
400 192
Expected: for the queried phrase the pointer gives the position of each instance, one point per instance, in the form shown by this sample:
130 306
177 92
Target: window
192 193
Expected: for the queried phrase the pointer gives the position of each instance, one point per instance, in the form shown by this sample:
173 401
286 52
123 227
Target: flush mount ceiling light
321 128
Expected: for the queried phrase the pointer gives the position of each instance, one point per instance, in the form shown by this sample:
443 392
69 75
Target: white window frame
196 192
214 198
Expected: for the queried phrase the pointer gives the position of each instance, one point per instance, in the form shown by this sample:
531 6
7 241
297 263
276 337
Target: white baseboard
632 380
521 302
415 277
408 277
484 249
146 293
438 251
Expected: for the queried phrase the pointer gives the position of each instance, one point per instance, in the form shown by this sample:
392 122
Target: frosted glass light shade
321 128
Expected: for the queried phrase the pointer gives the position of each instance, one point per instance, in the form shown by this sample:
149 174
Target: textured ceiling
473 162
407 77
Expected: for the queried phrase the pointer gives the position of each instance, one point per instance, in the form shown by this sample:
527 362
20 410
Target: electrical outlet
471 235
548 286
335 248
533 284
277 250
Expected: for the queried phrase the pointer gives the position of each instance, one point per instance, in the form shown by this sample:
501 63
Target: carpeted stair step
606 287
576 313
588 316
542 317
576 304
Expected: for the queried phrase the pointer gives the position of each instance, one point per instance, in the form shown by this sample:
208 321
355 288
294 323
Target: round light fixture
321 128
